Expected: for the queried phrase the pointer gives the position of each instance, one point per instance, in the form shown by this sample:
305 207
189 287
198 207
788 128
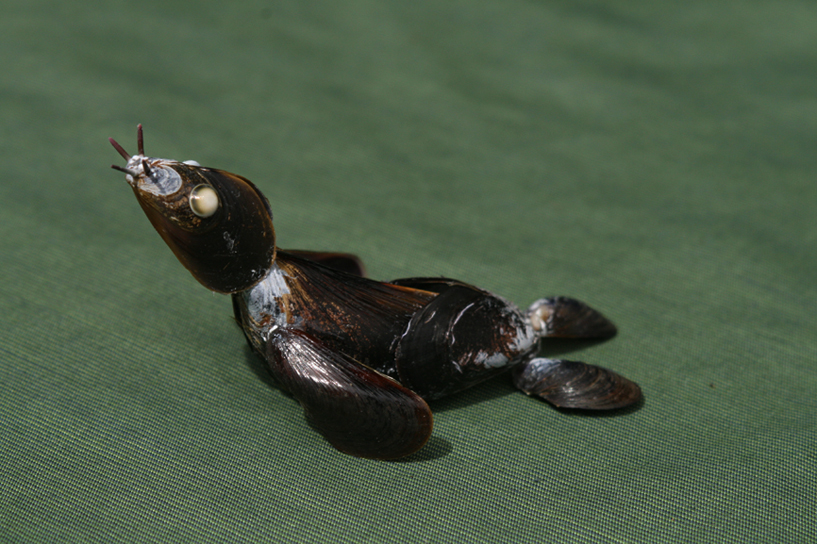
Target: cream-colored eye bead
203 200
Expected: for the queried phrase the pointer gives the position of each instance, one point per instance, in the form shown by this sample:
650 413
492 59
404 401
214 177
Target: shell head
218 224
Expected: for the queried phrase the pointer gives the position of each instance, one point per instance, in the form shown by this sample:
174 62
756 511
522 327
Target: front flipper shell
358 410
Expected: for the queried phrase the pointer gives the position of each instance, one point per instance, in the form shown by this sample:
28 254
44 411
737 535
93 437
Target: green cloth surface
656 160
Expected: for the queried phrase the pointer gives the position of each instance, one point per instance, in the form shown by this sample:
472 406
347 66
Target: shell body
361 356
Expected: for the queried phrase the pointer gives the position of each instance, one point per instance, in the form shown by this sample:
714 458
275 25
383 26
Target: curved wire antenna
140 140
119 149
128 171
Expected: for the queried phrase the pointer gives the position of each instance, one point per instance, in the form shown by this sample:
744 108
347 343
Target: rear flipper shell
572 384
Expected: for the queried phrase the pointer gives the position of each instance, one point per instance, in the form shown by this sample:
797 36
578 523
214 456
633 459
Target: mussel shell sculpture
361 356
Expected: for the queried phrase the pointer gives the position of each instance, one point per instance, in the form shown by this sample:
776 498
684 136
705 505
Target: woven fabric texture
656 160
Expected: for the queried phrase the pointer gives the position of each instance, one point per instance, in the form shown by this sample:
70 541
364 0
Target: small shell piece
564 317
573 384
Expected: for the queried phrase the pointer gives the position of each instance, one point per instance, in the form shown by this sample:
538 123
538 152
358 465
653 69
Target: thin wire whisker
140 140
119 149
125 170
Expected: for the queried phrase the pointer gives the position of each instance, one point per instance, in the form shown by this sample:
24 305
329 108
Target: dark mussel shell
357 409
565 317
573 384
462 337
230 251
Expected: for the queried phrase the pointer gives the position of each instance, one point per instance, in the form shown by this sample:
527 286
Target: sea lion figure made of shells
361 356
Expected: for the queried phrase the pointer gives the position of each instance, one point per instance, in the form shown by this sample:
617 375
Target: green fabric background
656 159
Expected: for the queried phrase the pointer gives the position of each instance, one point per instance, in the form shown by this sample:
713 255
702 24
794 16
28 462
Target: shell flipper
357 409
565 317
573 384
